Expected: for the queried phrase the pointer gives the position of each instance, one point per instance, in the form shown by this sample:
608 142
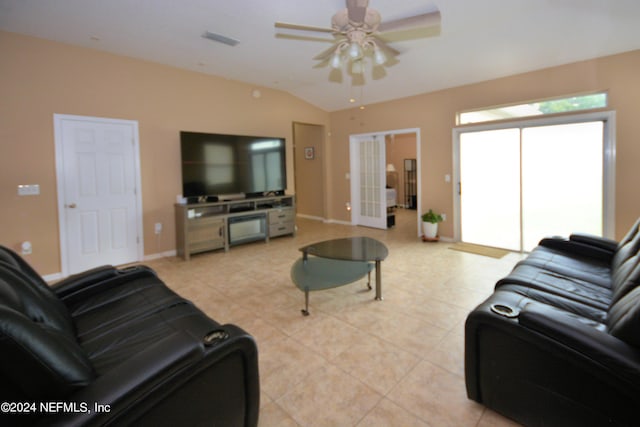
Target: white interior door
368 181
99 204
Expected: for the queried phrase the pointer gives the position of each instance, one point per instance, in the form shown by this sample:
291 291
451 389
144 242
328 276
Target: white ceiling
477 41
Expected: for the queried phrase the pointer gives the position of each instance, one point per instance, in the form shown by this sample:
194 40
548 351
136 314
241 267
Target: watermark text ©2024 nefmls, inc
52 407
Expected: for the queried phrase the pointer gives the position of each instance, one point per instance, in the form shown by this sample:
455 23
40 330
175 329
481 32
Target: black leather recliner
117 347
558 343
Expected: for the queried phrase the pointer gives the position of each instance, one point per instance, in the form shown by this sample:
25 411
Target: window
540 108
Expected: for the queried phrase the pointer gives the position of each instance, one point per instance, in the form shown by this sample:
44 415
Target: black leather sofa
117 347
558 342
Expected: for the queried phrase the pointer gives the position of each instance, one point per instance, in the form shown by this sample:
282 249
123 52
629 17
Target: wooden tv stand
204 227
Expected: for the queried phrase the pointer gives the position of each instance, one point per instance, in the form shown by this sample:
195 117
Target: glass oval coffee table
336 263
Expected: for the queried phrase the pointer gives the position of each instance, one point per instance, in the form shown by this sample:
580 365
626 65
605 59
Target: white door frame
58 120
609 171
355 169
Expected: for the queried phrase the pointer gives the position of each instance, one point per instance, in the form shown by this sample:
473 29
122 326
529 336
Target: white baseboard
335 221
325 220
311 217
166 254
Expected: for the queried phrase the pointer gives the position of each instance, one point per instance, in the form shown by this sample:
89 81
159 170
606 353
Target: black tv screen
215 165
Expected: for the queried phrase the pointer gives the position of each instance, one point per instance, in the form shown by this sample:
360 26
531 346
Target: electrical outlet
444 217
158 228
26 248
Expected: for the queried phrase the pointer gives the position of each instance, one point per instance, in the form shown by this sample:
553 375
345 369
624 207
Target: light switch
447 178
29 190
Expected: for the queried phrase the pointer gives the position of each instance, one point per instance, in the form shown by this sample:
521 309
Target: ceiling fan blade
424 20
357 9
304 38
327 53
303 27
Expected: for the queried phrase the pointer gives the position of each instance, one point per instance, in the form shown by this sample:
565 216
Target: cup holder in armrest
505 310
214 337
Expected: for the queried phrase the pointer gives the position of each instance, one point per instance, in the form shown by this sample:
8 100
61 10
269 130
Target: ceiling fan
358 29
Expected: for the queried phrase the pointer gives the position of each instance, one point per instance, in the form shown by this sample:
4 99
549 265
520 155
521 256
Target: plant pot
429 230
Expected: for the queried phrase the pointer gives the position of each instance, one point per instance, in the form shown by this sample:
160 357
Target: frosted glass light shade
379 56
355 51
335 60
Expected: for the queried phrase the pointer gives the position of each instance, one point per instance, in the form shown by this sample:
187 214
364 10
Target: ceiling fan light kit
356 29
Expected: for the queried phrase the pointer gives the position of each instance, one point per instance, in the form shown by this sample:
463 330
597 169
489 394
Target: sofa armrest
577 247
541 366
596 241
176 373
579 335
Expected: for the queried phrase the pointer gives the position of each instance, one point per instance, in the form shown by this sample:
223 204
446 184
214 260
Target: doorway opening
382 179
308 165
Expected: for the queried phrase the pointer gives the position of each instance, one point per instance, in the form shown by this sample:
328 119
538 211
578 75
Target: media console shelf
204 227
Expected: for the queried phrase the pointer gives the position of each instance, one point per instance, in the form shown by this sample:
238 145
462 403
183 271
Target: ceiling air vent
220 38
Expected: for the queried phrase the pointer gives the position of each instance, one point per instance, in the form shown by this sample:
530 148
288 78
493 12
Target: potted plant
430 222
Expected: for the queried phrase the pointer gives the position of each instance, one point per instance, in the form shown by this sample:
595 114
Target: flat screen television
220 166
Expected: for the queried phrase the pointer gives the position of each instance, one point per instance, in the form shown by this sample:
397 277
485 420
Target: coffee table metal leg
378 281
305 310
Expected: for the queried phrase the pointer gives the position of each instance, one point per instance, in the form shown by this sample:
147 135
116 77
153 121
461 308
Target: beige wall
39 78
434 113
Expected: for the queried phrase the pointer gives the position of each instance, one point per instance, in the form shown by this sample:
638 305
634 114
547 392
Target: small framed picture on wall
309 153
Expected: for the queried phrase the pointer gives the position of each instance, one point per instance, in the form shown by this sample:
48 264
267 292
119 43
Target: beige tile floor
354 361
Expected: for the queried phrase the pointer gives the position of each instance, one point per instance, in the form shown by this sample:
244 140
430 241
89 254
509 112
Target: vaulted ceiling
476 41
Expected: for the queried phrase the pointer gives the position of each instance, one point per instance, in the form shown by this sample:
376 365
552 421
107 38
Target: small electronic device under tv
229 167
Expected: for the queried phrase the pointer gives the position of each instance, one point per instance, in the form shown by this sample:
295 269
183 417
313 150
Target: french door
368 183
519 184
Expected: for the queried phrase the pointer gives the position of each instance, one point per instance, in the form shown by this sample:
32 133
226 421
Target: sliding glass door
490 188
520 184
562 181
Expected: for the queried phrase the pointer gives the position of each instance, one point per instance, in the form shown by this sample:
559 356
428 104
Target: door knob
72 206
